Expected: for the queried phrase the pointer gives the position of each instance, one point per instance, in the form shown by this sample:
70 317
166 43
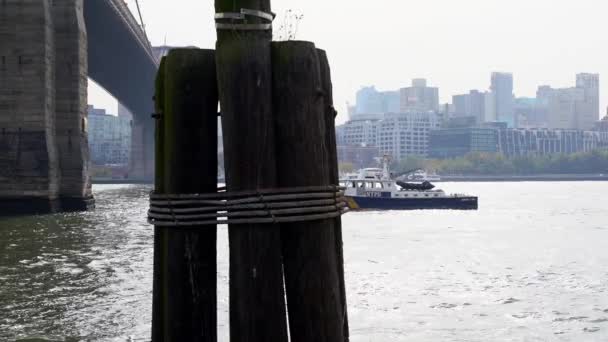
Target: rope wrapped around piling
246 207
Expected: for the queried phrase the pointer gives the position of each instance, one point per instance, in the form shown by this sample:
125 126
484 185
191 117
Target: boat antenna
385 171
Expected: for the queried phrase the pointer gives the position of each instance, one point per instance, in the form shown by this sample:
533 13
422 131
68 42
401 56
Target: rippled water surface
530 265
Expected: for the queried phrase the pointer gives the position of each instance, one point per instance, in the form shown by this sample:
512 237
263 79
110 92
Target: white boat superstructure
375 182
374 188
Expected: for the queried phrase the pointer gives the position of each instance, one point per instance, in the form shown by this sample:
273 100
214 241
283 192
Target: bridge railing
122 9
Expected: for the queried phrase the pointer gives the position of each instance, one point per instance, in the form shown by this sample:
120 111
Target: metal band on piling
246 207
242 15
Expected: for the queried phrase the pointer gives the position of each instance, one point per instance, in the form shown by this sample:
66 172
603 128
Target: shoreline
473 179
528 178
120 181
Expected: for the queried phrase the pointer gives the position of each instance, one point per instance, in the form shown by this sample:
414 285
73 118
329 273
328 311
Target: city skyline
572 107
454 44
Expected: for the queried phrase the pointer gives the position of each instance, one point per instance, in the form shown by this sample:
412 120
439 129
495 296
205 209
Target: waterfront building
405 134
419 98
513 142
523 142
457 142
396 134
502 90
359 156
359 132
109 137
461 122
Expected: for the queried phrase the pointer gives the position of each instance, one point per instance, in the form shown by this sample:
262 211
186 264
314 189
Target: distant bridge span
121 61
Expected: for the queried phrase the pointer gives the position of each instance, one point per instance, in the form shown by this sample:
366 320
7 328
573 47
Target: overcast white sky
455 44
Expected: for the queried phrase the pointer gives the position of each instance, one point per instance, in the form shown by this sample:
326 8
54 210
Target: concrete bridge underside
47 50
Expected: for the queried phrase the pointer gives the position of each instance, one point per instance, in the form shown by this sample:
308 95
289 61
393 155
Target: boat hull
383 203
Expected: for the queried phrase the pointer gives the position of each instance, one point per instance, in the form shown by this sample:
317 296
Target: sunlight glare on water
529 265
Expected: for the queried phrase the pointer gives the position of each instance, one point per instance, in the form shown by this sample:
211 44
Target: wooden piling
159 188
188 266
309 253
257 303
334 174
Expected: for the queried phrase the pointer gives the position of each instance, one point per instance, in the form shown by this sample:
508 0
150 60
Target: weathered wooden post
310 258
159 188
187 262
257 304
334 175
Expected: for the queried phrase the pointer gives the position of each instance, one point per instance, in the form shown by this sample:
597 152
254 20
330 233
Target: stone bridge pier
44 154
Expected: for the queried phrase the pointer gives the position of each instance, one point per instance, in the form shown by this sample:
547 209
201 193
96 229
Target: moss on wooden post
188 266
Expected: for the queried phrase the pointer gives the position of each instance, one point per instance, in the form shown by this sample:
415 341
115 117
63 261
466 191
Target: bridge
47 51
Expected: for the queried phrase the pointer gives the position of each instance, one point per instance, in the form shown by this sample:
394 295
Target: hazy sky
454 44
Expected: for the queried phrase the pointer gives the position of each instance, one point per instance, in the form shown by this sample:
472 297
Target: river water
530 265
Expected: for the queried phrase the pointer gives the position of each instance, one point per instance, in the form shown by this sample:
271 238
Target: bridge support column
44 154
29 168
71 72
142 148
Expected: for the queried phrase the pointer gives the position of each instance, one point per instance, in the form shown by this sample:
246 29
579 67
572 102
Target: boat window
426 195
352 185
361 184
436 195
378 186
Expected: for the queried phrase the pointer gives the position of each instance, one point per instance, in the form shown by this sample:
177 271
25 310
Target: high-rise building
530 112
562 108
419 97
489 114
372 101
476 105
369 101
502 88
391 101
461 105
109 137
571 108
588 110
472 104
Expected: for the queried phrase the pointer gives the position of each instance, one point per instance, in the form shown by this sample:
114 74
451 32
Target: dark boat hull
380 203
